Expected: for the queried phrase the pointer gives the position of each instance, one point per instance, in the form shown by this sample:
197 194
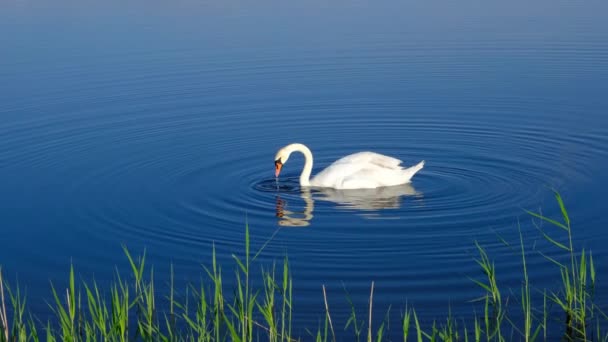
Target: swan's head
280 159
283 154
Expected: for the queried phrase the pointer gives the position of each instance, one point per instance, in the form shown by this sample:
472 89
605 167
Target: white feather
363 170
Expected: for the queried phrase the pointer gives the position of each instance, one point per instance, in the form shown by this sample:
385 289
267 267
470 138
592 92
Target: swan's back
365 170
369 158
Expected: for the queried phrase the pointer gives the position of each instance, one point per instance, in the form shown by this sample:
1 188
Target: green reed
132 308
578 278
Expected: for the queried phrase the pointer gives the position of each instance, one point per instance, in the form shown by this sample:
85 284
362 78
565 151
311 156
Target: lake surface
155 126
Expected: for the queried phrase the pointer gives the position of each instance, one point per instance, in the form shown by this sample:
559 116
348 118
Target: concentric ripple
171 149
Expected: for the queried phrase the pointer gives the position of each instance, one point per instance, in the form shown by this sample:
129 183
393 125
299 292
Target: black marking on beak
278 162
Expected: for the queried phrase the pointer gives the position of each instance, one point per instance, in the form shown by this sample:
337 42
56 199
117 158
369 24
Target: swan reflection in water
365 200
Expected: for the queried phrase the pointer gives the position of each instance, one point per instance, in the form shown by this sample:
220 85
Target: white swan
363 170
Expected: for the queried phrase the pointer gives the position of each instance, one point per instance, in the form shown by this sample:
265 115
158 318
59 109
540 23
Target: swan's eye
278 162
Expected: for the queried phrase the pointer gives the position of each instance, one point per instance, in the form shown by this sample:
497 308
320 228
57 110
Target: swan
362 170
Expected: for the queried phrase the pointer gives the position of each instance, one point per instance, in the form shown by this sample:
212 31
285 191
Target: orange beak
277 167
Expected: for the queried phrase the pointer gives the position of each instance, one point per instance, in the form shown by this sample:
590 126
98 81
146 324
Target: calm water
156 126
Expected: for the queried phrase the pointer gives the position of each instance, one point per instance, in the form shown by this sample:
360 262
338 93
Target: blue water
155 125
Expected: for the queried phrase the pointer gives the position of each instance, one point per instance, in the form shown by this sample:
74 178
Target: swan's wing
354 176
366 158
333 175
368 177
362 170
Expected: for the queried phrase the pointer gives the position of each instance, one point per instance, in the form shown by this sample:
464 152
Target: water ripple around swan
171 149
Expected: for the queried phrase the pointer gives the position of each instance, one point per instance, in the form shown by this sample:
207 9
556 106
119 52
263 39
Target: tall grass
129 309
577 275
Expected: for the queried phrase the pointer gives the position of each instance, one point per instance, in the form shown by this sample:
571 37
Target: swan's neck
305 175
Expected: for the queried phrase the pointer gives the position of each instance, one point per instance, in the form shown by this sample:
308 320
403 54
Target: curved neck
305 175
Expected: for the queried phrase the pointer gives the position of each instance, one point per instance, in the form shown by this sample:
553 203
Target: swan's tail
412 170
